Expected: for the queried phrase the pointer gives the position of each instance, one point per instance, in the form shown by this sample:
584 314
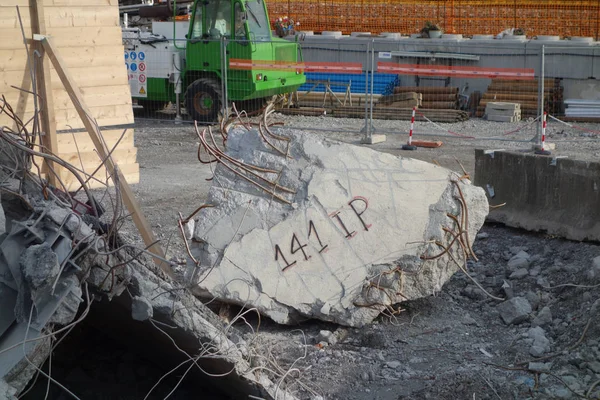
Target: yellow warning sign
142 91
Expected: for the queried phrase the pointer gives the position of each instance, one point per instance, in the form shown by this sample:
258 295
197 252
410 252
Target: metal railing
372 81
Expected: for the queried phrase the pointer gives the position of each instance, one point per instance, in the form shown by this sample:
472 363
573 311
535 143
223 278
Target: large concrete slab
559 196
350 244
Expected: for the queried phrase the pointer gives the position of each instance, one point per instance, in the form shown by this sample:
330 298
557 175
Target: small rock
534 299
473 292
519 260
519 273
543 282
535 271
543 318
468 320
393 364
188 229
559 393
365 376
515 310
541 344
141 309
327 337
539 366
593 273
594 366
483 235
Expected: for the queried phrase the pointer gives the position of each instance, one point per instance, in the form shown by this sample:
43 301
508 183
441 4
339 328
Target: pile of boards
430 97
526 94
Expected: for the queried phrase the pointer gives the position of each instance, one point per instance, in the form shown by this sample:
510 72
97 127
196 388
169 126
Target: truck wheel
203 100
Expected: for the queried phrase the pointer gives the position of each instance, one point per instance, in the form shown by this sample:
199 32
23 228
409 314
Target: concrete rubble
345 233
57 266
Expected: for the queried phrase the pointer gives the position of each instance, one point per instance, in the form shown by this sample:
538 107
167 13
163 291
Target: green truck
162 65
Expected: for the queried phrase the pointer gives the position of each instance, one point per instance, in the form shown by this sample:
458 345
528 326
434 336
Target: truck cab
238 33
228 46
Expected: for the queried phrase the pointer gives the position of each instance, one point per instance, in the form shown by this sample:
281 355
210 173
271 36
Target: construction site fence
366 83
546 17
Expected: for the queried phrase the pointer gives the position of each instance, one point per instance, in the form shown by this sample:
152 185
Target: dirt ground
450 346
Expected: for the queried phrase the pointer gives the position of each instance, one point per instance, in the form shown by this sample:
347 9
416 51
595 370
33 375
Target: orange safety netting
564 18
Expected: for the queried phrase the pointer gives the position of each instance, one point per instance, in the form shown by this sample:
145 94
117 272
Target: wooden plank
44 89
60 17
91 160
104 116
86 77
50 3
95 96
130 171
72 142
128 197
67 37
75 57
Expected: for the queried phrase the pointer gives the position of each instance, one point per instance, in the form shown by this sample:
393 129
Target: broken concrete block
515 310
357 231
541 344
141 309
39 266
6 391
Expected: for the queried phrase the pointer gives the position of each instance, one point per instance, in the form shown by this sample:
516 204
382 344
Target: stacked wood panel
526 94
433 97
87 34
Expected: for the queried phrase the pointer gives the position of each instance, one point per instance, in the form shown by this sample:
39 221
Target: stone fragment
593 273
39 265
541 344
6 391
519 260
519 273
543 318
594 366
539 366
515 310
141 309
346 240
327 337
393 364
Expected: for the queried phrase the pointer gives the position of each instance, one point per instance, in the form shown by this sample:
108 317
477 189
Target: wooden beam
128 198
44 89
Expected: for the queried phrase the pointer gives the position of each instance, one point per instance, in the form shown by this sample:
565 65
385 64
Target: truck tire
203 100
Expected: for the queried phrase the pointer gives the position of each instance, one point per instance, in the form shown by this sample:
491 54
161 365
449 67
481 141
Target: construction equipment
164 62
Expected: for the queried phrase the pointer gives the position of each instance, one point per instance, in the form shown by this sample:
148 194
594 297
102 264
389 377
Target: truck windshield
258 24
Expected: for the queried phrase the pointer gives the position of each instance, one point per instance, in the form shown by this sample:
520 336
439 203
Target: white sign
385 54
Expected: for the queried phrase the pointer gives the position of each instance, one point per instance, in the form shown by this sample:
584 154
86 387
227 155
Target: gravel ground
454 345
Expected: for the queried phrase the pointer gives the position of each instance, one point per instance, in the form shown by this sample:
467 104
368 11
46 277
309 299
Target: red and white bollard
409 145
542 150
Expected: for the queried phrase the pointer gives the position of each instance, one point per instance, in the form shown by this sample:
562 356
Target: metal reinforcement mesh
563 18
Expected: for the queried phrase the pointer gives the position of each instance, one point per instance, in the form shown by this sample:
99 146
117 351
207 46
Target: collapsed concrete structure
57 265
303 227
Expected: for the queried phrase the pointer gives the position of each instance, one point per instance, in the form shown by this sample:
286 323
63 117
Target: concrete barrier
558 196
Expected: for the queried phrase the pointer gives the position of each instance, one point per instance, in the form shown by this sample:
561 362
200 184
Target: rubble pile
60 259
